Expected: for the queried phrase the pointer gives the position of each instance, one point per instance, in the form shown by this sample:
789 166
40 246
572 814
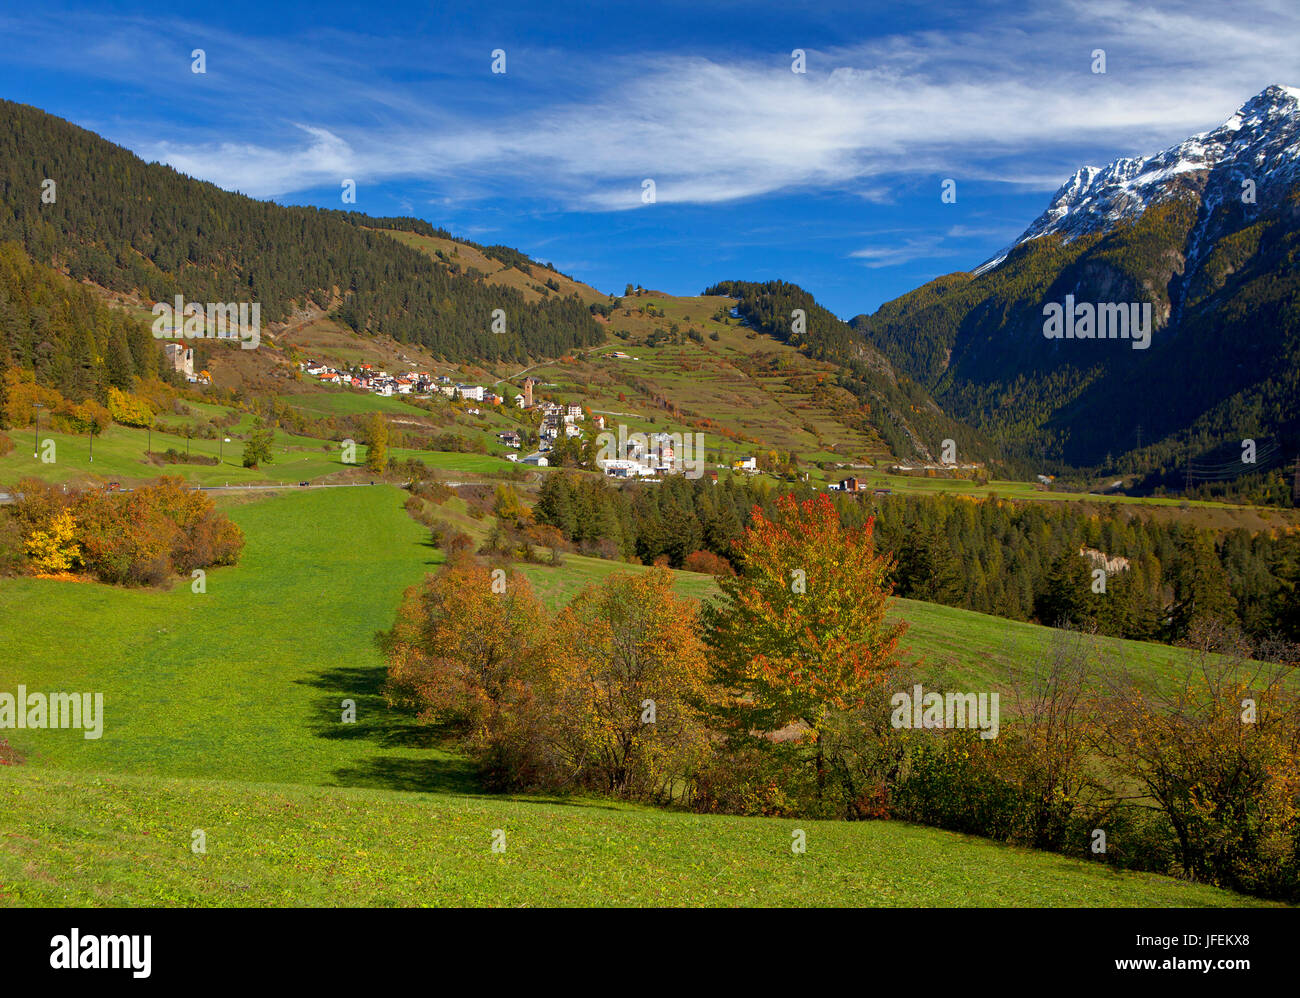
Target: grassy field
532 285
119 455
969 650
222 712
81 839
1212 515
345 402
713 379
556 586
246 680
175 660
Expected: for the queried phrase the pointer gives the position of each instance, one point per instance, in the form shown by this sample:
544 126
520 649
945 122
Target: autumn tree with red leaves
799 636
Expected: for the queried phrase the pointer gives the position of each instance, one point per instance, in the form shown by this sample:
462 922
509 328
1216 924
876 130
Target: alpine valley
1201 238
1206 232
405 569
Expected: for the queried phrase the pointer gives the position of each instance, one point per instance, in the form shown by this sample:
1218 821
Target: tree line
144 537
65 338
1021 561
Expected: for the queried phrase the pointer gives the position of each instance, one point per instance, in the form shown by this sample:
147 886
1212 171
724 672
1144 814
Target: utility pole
36 415
1295 483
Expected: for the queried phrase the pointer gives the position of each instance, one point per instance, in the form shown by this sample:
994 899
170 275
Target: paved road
310 485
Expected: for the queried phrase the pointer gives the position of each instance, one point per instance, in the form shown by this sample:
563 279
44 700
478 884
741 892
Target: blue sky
830 178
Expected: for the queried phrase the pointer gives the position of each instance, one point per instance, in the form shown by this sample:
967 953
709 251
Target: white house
616 468
661 446
538 459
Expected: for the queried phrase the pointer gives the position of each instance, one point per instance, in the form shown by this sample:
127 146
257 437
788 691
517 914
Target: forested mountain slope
143 228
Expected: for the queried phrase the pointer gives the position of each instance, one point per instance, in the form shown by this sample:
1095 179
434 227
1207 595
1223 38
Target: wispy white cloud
322 158
1013 103
917 248
956 240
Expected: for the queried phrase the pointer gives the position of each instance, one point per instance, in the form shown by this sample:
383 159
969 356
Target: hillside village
655 457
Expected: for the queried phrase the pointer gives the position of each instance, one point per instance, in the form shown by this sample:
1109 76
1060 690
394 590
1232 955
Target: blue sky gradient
830 178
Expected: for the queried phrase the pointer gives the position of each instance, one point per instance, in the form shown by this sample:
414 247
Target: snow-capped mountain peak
1259 143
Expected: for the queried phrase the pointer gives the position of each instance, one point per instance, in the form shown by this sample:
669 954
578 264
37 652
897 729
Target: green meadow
83 839
223 712
120 454
975 650
246 680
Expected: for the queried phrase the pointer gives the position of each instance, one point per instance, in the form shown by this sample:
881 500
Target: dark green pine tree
119 368
555 505
1201 590
1285 618
1066 597
928 569
651 536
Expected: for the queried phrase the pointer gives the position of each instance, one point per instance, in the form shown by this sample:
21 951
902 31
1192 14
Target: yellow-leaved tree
627 678
54 549
129 410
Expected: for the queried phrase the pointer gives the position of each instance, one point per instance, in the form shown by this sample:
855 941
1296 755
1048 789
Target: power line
1267 457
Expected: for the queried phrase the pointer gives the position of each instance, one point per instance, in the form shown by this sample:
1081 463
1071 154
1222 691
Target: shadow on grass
439 773
442 771
438 559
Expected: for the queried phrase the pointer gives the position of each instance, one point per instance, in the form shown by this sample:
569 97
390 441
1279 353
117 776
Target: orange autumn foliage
801 631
